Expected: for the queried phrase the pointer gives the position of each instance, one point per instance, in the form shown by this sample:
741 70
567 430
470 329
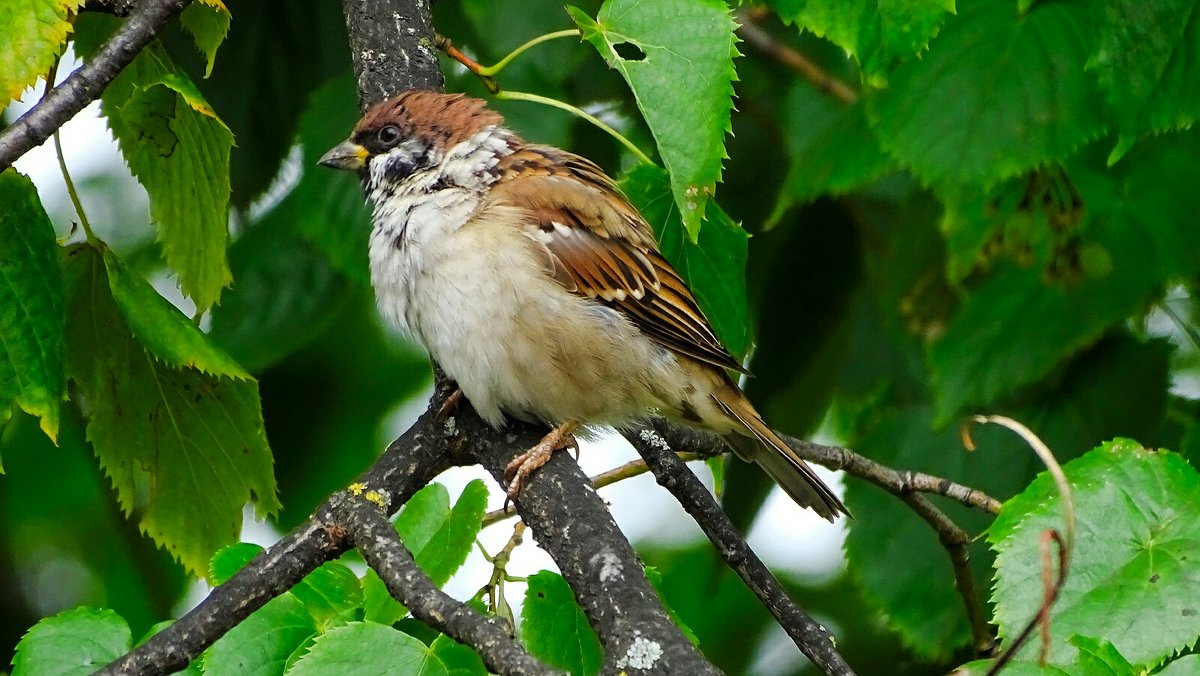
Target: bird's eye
388 136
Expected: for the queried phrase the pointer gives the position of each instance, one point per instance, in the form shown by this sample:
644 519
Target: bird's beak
345 155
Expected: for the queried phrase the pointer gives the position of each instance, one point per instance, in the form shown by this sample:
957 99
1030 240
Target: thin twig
494 589
904 485
620 473
488 71
957 544
1066 545
673 474
510 95
88 82
62 166
376 538
763 41
485 75
447 46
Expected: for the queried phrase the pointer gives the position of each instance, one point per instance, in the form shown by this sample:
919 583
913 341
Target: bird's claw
560 438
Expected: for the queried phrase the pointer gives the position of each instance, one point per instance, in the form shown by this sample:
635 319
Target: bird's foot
450 405
559 438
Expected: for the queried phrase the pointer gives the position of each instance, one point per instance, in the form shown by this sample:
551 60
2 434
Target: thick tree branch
572 523
670 471
88 82
376 538
392 46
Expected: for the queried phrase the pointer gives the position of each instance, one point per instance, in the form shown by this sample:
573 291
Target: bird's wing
596 244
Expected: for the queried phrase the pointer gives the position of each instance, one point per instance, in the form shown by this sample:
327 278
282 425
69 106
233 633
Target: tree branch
766 43
957 544
409 463
904 485
899 483
392 46
572 523
672 474
88 82
380 544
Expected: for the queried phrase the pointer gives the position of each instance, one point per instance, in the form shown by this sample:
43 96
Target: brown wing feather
598 245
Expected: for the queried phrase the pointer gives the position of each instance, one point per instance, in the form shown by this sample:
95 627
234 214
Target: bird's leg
559 438
451 403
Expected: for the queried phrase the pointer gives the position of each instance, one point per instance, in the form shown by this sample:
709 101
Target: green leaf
878 34
261 644
1098 657
681 74
186 447
329 207
996 95
77 641
378 603
459 660
208 23
1148 62
160 327
440 538
229 560
368 649
179 151
895 557
32 35
554 628
329 591
1133 573
831 147
713 267
1016 325
31 305
1184 666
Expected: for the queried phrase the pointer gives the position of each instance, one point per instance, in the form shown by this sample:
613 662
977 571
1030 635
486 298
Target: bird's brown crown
443 120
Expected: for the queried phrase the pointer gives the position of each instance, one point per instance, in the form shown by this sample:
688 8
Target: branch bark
409 463
672 474
572 523
392 47
376 537
88 82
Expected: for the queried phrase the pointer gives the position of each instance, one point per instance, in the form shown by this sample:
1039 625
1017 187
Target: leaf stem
488 71
511 95
62 165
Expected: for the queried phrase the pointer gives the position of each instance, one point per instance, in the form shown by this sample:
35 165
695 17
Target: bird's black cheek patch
404 161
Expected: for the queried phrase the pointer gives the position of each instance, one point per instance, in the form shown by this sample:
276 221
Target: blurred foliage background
998 213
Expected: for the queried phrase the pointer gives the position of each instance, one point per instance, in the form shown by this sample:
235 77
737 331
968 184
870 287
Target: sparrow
539 289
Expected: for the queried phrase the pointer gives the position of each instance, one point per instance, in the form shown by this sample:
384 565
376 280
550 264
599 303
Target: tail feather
779 461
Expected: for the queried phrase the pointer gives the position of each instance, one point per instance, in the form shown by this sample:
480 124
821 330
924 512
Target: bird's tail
761 445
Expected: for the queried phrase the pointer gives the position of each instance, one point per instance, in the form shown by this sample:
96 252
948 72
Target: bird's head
410 133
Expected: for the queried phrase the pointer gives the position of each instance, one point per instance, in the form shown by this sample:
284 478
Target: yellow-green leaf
185 447
179 151
208 22
32 35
